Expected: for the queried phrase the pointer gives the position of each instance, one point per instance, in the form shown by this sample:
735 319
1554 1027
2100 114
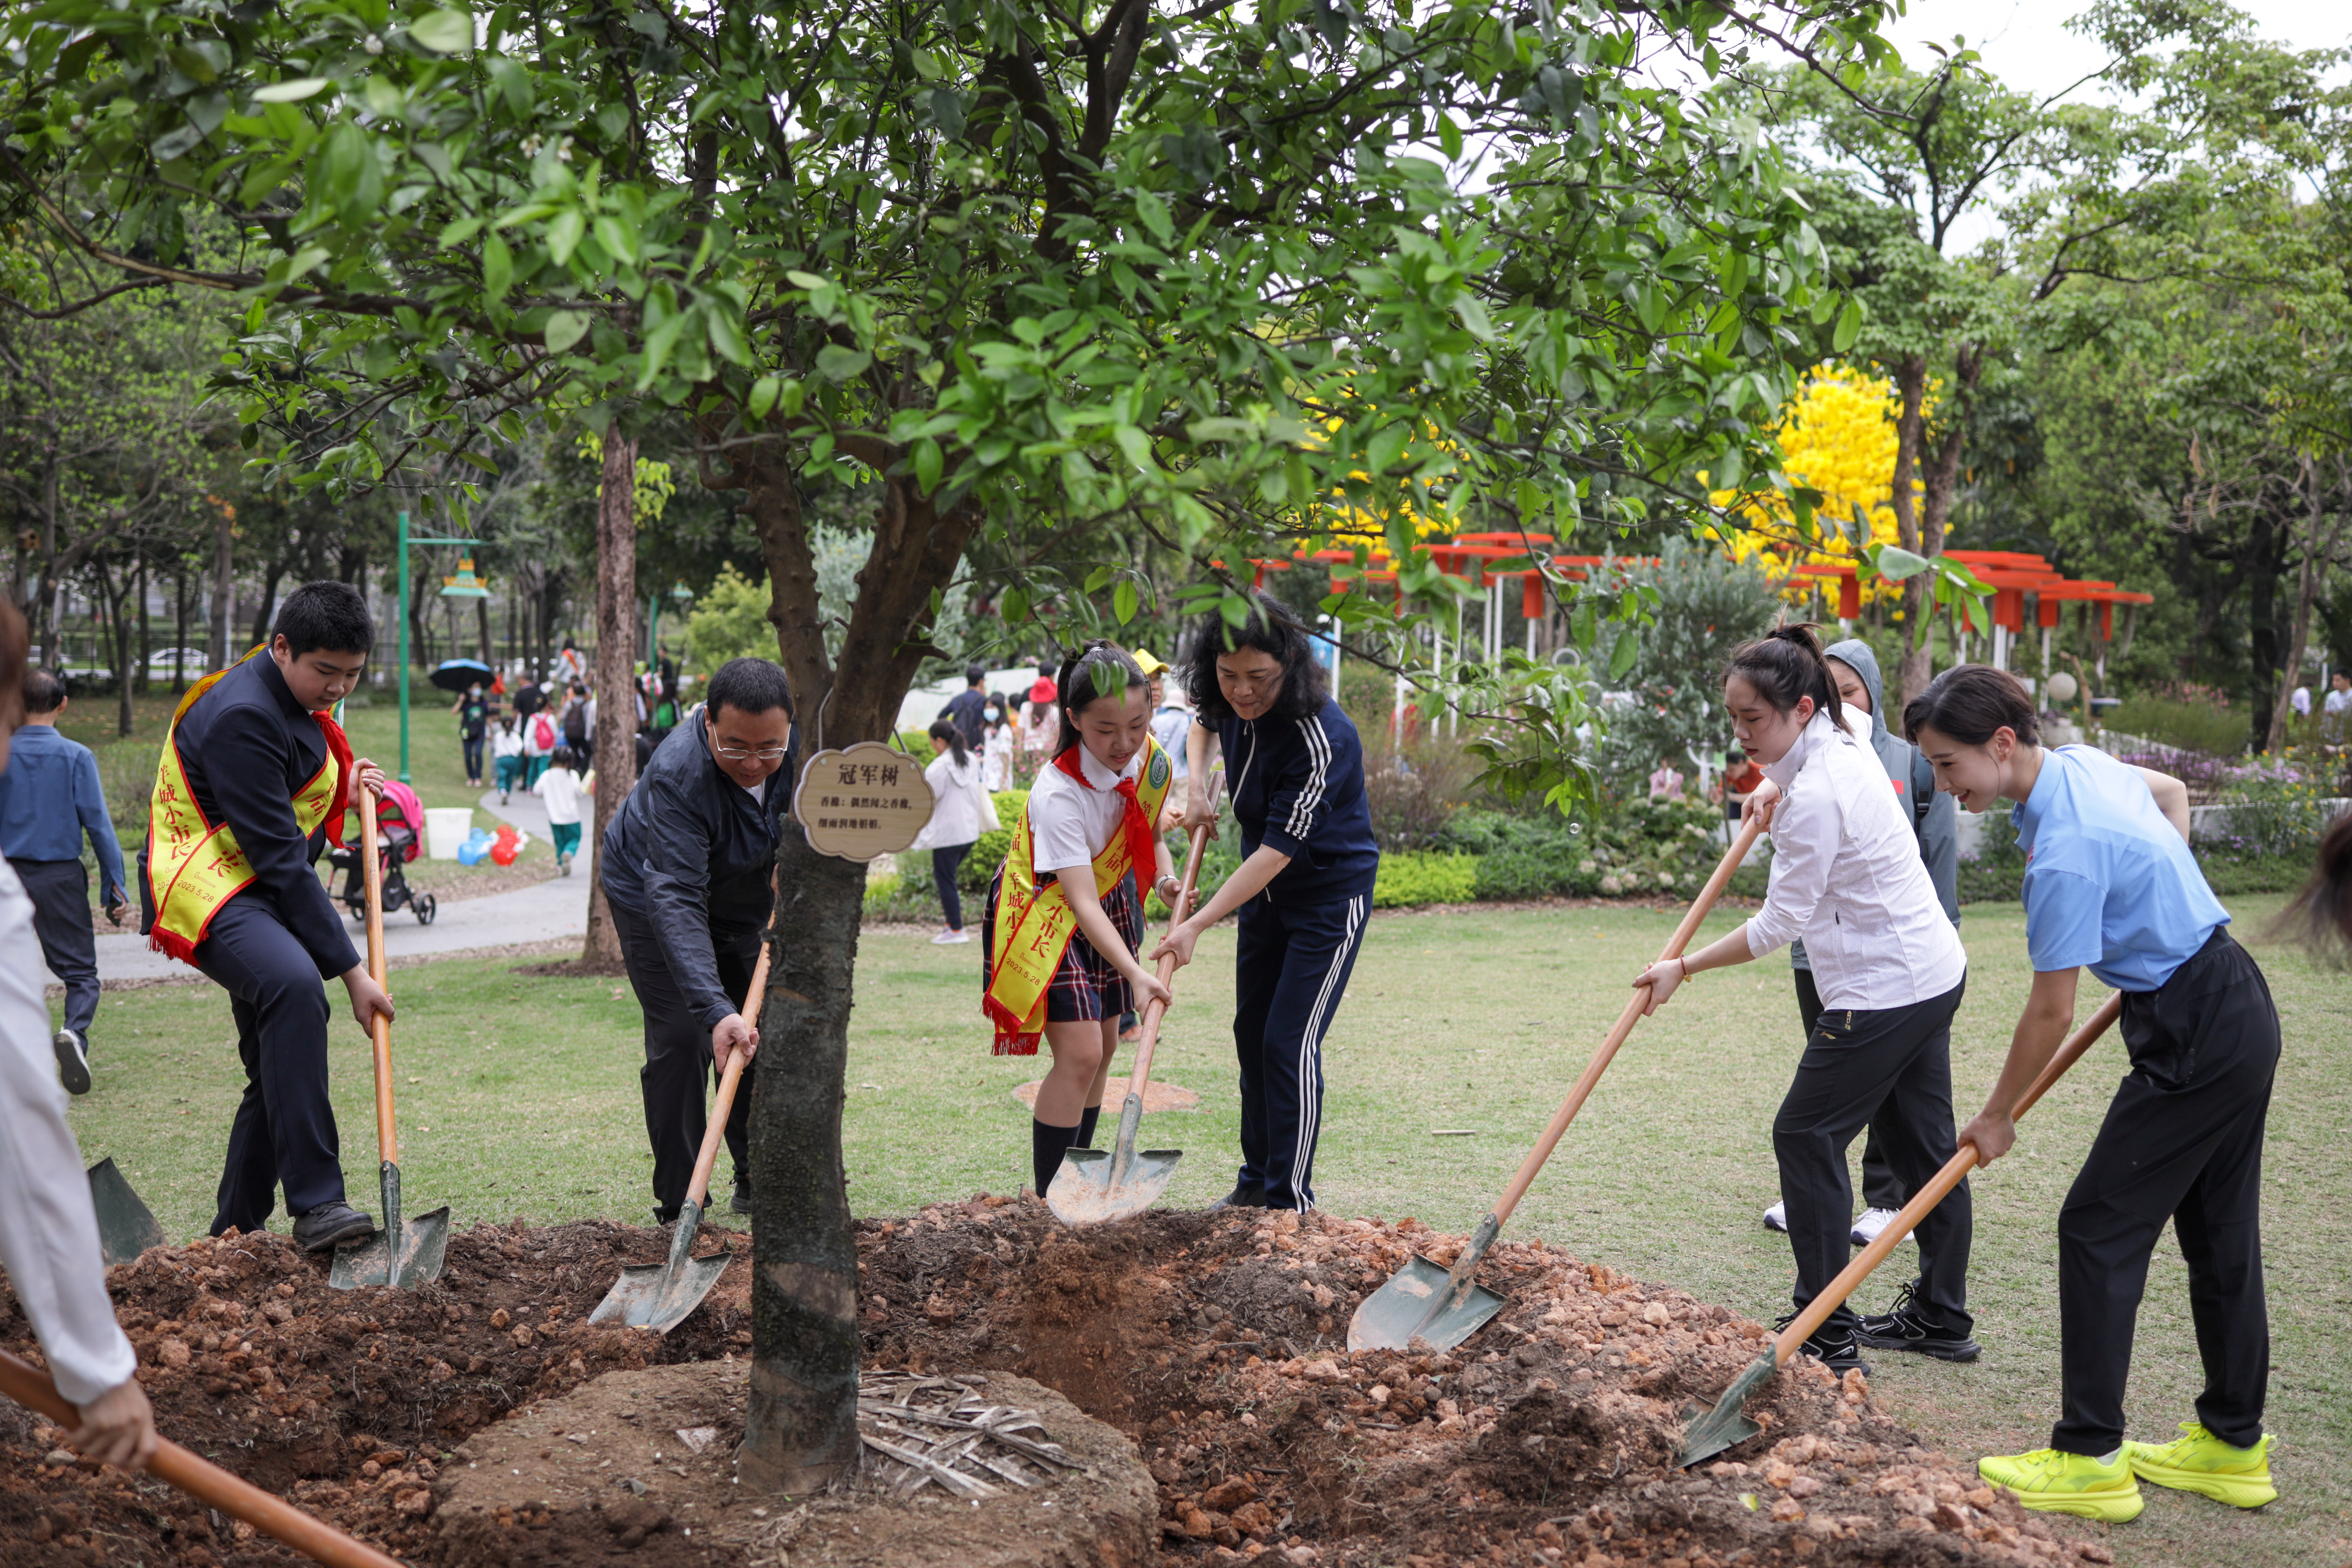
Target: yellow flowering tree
1837 438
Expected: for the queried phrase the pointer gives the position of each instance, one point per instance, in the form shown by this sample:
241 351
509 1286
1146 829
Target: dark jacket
50 796
690 852
969 709
1298 784
248 748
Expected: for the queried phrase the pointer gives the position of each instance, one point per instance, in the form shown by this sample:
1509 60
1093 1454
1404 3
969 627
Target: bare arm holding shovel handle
1413 1304
1711 1432
206 1482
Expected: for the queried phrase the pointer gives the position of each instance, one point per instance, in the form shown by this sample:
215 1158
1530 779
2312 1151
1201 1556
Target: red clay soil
1215 1341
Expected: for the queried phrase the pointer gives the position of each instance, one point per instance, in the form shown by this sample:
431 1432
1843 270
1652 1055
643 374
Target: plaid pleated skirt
1085 987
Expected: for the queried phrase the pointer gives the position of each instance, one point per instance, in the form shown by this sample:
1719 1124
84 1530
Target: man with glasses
686 868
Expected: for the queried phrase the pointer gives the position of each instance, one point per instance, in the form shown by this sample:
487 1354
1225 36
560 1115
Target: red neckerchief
339 747
1140 846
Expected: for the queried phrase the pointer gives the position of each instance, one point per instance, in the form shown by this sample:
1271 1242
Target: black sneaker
1241 1198
1831 1344
73 1061
742 1202
1906 1328
331 1224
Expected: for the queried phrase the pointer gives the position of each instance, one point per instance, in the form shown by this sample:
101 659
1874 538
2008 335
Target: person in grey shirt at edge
1936 822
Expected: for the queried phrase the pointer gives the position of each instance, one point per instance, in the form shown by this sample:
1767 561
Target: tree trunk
276 575
223 578
617 708
2318 549
180 626
146 641
2266 559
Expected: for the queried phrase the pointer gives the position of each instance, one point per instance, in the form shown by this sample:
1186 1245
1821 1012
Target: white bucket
447 828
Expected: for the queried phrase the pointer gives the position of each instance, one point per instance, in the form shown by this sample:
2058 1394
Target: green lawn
524 1102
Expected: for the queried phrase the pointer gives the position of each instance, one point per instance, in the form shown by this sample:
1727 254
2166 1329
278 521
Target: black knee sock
1087 1119
1046 1146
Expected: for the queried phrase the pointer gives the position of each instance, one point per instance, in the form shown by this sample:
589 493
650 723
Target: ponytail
1786 666
2322 913
945 730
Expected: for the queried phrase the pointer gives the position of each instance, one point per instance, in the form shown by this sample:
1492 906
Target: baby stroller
398 819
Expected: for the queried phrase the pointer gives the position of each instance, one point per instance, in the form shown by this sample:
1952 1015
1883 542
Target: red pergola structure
2011 574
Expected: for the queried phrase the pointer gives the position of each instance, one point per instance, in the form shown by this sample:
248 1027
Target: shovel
1709 1430
1445 1307
661 1296
208 1483
126 1226
1095 1185
404 1254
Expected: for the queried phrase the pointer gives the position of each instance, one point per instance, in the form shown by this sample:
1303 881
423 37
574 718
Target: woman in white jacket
1847 878
962 811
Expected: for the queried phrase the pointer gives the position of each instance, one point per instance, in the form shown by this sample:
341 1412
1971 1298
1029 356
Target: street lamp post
401 558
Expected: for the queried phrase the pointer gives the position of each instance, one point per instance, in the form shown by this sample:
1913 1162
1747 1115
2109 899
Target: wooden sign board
861 803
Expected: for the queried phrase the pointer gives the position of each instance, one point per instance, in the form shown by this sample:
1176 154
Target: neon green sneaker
2198 1461
2059 1482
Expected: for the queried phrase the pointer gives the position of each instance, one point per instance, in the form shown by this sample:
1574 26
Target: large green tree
1196 270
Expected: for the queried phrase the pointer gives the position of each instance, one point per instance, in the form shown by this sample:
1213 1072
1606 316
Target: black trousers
284 1132
1892 1068
1880 1190
2182 1141
60 893
678 1068
944 863
1291 966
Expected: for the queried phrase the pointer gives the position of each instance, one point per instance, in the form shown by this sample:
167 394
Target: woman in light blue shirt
2110 886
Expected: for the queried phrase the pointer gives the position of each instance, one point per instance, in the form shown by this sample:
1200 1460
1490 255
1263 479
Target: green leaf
1894 564
837 364
293 91
443 32
564 329
1124 600
930 463
1096 578
497 268
1621 658
764 392
1013 606
1849 326
564 235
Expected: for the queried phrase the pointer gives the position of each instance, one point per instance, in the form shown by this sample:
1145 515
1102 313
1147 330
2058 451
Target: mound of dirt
1214 1341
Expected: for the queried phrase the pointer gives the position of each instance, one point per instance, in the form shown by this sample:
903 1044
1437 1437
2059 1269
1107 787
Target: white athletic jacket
1847 878
48 1232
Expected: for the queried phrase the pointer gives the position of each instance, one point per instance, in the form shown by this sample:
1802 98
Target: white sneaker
1871 1222
950 938
1776 1216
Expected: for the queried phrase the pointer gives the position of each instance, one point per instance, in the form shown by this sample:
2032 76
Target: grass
518 1097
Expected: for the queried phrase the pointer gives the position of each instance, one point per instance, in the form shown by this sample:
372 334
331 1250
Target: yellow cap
1148 662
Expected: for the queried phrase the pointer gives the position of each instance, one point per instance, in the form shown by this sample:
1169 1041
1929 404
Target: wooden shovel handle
208 1483
387 1137
1155 1009
1687 929
1818 1309
699 1186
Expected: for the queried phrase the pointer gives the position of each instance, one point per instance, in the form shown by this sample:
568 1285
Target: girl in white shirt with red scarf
1847 878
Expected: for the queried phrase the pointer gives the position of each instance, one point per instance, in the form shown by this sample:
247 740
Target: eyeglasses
738 754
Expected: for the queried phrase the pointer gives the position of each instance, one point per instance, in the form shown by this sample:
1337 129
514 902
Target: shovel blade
411 1263
1084 1192
126 1226
1711 1430
1415 1304
654 1296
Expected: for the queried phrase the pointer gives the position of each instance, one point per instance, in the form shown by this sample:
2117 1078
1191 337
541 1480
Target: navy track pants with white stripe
1291 967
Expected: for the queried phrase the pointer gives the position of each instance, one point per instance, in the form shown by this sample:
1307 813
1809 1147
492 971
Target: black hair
946 730
1786 666
44 690
1271 627
749 686
327 616
2321 913
973 675
1968 703
561 757
579 689
1099 669
1735 755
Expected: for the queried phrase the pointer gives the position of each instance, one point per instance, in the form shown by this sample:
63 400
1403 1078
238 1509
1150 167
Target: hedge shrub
1413 877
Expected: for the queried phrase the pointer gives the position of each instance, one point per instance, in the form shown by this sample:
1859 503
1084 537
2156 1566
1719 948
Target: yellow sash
193 865
1033 928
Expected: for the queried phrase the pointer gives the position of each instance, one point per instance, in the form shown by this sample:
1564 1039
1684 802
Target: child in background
540 736
562 788
1064 920
506 757
996 741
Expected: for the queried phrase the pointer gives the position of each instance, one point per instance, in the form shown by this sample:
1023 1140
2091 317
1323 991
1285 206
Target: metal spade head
1707 1432
1086 1191
406 1253
126 1226
661 1296
1416 1303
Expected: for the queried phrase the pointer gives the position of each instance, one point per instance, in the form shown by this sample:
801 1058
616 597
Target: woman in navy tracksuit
1303 889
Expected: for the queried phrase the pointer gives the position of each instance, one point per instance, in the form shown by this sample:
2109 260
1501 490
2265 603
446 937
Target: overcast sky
2026 42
